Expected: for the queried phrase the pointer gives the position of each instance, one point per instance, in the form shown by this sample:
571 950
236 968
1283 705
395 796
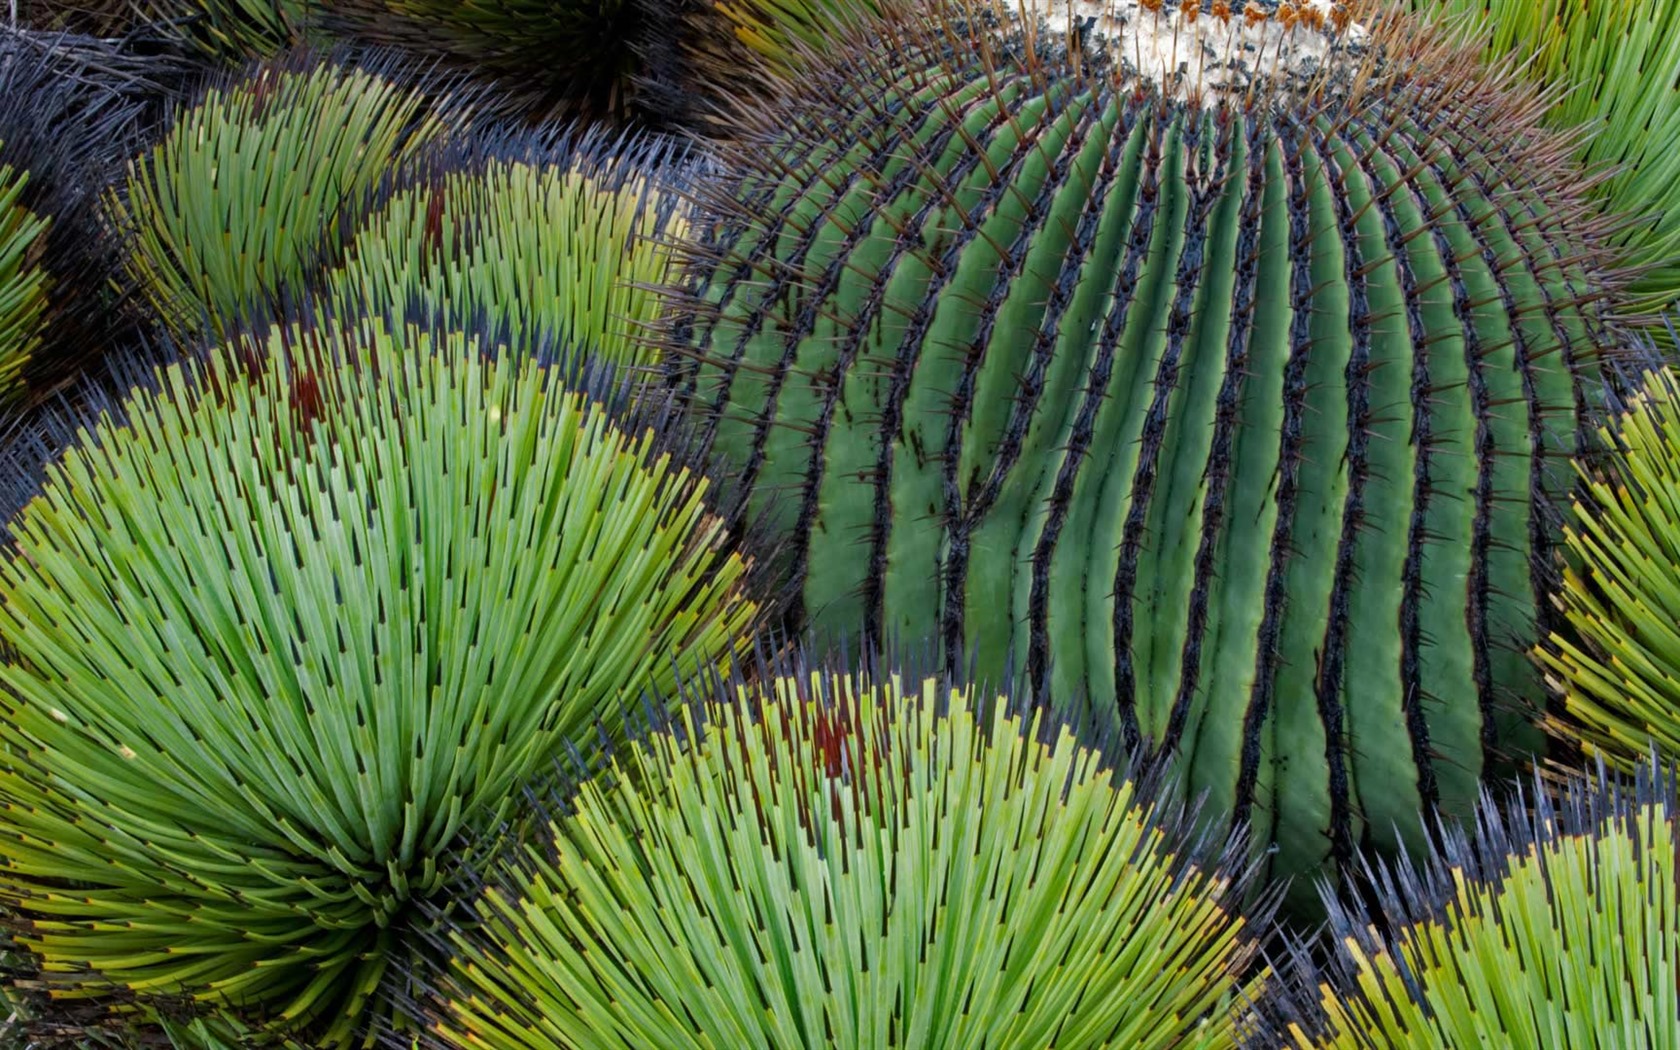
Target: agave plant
220 30
23 284
229 29
297 619
1554 926
1615 68
560 243
839 861
238 204
788 34
58 129
1230 418
1617 663
569 53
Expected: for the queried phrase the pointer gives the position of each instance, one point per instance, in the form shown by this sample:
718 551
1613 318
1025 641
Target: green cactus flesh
1228 425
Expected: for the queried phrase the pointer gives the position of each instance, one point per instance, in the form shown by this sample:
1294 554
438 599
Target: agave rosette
1550 924
1614 69
240 204
561 243
296 620
847 861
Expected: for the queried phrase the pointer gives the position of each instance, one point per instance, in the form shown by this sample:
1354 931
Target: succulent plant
220 30
1616 658
565 53
237 206
295 620
1231 419
58 311
1556 926
232 29
787 34
826 860
560 243
1614 67
23 284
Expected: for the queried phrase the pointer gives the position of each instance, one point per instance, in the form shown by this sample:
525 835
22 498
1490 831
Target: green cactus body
1229 425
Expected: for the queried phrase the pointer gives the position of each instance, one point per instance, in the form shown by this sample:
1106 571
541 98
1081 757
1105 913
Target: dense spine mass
1230 424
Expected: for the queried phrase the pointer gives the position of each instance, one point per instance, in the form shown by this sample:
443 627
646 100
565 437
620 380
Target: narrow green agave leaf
295 620
562 249
1615 67
24 288
839 861
1556 926
1617 662
237 205
1231 421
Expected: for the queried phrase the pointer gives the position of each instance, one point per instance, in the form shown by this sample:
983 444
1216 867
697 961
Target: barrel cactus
853 862
558 243
1226 419
1556 927
295 621
240 203
1616 658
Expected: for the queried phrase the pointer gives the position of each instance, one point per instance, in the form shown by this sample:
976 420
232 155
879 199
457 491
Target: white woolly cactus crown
1218 47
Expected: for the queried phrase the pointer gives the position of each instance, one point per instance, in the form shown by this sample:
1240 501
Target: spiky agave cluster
852 862
306 614
560 242
1616 660
1231 420
1557 926
240 201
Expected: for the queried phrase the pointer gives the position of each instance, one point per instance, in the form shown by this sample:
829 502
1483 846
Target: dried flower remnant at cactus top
1215 48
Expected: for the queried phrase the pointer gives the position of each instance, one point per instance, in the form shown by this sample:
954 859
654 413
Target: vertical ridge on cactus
1231 419
294 621
837 861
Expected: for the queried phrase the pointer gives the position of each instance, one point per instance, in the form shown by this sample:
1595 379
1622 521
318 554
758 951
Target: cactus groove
1230 423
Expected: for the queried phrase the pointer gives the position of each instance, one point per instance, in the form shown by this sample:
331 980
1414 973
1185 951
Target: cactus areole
1227 419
